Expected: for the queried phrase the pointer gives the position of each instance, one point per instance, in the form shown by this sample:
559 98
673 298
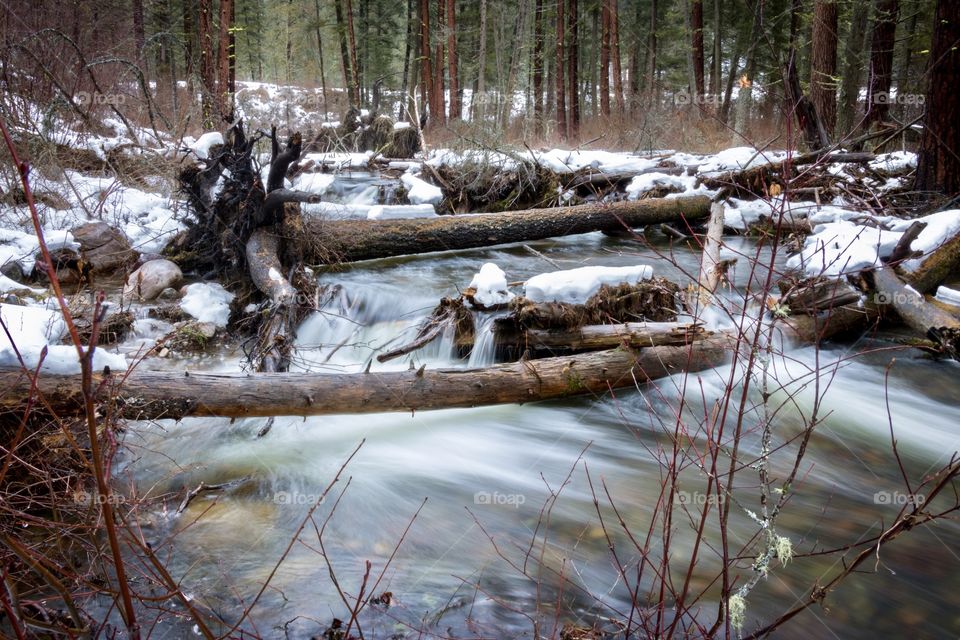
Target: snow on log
325 240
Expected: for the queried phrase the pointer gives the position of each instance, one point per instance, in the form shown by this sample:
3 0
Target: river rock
104 249
151 279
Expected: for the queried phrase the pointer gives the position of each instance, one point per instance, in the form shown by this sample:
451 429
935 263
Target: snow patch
204 143
419 191
576 285
491 286
208 302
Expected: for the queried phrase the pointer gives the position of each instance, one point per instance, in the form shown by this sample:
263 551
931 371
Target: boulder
151 279
104 249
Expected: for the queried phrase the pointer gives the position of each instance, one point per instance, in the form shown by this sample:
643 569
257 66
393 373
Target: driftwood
161 394
324 240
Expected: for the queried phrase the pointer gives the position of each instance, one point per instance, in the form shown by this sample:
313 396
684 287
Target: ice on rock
491 286
576 285
207 302
419 191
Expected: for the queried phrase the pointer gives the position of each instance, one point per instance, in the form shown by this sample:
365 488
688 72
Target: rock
151 280
105 249
13 270
169 294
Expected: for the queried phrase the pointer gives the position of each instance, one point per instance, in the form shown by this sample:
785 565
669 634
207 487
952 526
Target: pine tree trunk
479 102
139 35
652 93
224 53
207 70
717 51
354 71
938 159
427 87
907 42
561 61
853 70
538 106
323 75
605 58
696 32
440 108
881 61
452 60
615 56
345 66
407 53
823 63
573 61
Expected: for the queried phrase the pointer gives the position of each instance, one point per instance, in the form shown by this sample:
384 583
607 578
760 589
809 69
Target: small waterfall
484 349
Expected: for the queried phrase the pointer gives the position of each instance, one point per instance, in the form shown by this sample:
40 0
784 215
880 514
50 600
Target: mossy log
353 240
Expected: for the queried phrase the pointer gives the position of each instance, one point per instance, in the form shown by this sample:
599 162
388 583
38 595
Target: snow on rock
741 214
17 246
207 302
317 183
576 285
491 286
32 329
419 191
203 144
401 125
948 296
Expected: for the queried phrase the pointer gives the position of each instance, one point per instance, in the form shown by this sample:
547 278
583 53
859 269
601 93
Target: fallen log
158 395
607 336
928 319
276 333
936 267
324 240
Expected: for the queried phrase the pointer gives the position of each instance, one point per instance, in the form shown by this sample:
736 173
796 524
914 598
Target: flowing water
480 479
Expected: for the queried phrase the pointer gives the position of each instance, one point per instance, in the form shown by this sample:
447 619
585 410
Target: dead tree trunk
328 241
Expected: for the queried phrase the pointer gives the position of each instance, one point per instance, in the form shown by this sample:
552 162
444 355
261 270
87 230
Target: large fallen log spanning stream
325 241
161 394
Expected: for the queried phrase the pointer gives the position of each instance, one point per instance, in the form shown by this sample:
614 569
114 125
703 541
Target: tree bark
823 64
354 62
427 88
154 395
352 240
938 159
345 65
615 57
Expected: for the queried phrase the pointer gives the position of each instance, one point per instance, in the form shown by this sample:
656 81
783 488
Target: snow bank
491 286
896 162
208 302
36 328
419 191
17 246
841 247
576 285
